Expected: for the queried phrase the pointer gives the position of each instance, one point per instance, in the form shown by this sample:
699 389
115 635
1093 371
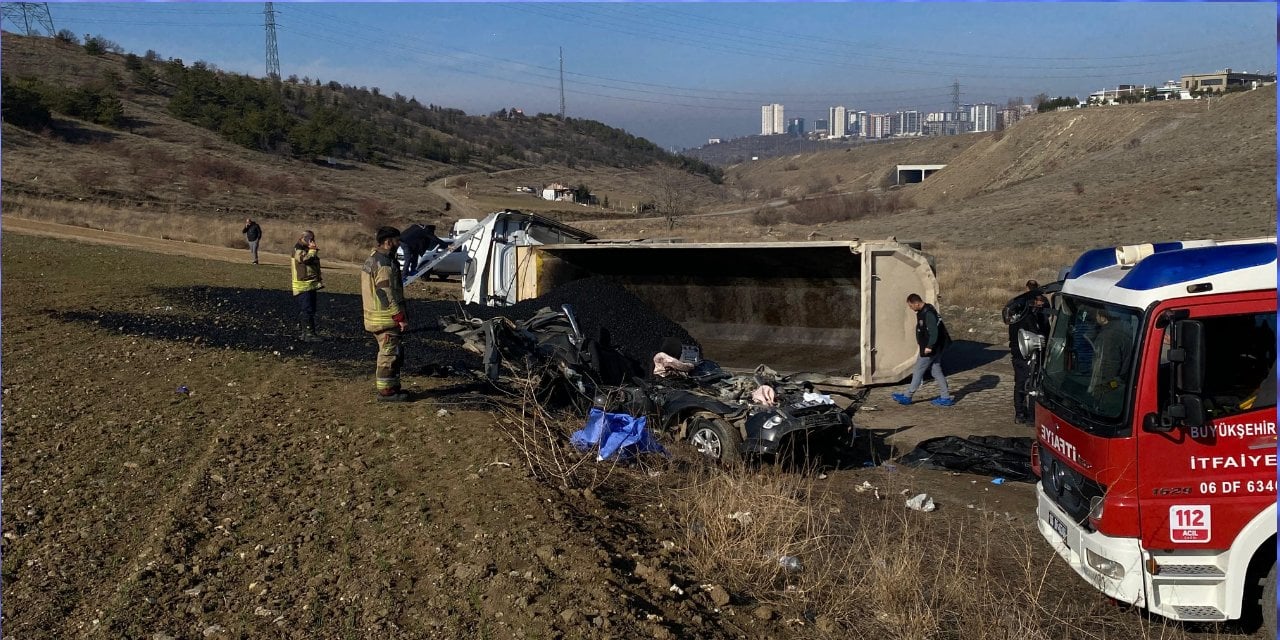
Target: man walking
252 233
382 295
306 283
932 336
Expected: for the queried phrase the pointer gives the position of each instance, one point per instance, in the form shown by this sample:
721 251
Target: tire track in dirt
167 521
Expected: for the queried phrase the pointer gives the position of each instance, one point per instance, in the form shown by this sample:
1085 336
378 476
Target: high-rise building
821 125
795 127
983 117
859 123
907 123
836 118
878 125
771 120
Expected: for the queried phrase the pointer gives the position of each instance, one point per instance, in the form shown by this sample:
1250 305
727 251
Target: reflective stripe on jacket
381 292
306 269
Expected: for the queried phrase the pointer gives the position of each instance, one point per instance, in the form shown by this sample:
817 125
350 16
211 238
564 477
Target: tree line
308 118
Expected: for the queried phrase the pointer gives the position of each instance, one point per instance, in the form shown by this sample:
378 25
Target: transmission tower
28 15
562 83
273 55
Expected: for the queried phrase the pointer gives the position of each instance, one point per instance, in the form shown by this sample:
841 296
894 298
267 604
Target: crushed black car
724 416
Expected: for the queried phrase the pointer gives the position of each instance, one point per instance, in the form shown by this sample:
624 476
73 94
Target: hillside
1073 180
140 132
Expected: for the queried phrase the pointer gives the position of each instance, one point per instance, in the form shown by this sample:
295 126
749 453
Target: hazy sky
679 73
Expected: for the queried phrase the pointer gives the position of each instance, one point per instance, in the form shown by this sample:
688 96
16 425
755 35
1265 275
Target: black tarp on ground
995 456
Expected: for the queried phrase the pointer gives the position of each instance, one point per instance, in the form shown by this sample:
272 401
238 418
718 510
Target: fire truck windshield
1088 366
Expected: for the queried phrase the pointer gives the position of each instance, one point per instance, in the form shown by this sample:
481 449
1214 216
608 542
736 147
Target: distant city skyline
679 74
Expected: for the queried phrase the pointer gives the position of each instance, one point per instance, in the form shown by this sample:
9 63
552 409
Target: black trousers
1021 376
307 309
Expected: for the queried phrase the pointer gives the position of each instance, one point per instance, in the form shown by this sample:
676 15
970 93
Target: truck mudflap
832 311
1089 553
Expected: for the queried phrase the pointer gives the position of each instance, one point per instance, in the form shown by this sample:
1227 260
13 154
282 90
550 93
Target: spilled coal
605 311
258 320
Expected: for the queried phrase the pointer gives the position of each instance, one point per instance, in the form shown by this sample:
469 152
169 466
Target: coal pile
602 306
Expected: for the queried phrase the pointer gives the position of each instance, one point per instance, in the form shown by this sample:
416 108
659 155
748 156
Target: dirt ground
176 465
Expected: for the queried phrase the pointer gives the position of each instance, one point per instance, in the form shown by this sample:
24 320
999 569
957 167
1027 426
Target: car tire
715 438
1268 602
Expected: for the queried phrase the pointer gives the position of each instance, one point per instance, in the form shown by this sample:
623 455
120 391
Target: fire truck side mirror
1187 354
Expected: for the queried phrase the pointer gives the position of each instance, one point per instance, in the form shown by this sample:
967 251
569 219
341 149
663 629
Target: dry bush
198 188
1079 187
874 567
91 178
766 217
219 169
373 213
984 279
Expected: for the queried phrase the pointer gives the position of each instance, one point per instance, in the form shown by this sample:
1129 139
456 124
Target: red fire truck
1155 419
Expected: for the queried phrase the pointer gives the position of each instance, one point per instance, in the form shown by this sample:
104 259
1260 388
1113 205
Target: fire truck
1155 420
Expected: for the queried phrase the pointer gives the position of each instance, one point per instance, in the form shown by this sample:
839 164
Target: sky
681 73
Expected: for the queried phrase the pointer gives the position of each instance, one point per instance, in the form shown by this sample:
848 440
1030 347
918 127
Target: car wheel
715 438
1268 602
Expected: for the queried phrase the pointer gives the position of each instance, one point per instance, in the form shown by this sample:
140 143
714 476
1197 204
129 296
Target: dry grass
876 568
987 278
340 241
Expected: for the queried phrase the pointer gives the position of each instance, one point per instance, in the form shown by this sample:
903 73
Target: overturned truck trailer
833 311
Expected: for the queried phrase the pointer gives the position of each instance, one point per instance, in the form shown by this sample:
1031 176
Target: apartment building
837 121
772 120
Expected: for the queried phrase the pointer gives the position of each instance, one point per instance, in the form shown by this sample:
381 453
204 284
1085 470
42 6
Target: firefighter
382 294
306 283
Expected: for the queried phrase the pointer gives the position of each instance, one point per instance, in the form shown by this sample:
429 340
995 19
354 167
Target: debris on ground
1009 458
921 502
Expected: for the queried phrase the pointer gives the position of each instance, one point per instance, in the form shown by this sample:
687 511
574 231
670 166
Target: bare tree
670 193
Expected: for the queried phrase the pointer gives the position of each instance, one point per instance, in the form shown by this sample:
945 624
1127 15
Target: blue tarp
615 433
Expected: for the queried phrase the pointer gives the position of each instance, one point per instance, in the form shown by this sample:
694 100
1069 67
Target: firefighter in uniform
305 267
382 294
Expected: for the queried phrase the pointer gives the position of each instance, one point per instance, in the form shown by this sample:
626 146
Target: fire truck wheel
715 438
1269 603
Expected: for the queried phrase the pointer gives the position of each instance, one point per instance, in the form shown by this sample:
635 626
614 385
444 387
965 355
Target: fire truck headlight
1095 508
1108 568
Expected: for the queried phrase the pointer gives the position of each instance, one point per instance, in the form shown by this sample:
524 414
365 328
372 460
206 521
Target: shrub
766 217
66 36
91 178
198 187
791 166
1079 187
219 169
373 213
23 106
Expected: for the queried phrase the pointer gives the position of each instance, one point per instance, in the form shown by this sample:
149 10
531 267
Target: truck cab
1155 423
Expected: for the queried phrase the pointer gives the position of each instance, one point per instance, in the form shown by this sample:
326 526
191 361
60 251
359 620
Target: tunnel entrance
913 173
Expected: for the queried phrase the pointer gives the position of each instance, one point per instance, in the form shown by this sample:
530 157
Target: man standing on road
1034 320
932 336
382 295
307 283
252 233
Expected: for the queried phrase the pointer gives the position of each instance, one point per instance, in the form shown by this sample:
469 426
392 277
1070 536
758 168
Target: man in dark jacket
1034 320
416 241
252 233
932 336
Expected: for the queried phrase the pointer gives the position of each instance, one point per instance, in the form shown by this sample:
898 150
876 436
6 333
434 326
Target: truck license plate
1059 526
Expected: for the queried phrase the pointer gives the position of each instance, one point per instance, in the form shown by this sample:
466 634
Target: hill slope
194 139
